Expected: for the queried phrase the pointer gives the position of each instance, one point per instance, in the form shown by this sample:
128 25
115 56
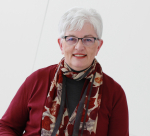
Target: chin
79 67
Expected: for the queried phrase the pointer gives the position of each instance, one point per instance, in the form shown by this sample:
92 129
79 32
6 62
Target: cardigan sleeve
118 122
14 120
27 105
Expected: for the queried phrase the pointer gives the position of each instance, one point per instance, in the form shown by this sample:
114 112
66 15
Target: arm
14 120
119 122
26 108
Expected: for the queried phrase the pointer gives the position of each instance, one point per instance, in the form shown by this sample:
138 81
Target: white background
28 41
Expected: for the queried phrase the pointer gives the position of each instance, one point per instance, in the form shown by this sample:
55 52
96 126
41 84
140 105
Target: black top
73 90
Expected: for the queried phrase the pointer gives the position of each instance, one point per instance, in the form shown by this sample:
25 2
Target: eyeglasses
87 41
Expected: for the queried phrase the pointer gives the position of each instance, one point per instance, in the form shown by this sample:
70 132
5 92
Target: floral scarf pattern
91 103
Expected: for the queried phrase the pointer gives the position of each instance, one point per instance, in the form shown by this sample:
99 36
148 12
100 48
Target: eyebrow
83 37
71 35
89 35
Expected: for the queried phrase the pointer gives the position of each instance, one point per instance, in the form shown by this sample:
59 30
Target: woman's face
79 56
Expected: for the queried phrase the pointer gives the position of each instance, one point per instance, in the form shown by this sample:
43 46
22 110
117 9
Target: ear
60 45
99 46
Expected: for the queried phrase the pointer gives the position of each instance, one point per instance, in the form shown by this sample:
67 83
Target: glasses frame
64 37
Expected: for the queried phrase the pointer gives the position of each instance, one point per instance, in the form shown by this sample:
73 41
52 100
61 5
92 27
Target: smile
79 55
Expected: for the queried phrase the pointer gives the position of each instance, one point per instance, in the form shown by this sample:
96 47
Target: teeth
79 55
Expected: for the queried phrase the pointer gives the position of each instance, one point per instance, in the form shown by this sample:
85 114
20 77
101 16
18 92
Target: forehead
87 30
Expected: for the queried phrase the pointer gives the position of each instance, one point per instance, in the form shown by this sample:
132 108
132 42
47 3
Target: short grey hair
75 18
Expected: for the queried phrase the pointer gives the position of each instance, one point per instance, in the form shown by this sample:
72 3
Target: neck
78 71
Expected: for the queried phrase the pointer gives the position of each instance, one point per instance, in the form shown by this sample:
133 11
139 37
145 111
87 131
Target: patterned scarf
83 120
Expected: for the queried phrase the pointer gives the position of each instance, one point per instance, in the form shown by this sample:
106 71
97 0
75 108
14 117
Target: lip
79 57
79 54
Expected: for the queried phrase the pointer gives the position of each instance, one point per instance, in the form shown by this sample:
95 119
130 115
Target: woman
73 97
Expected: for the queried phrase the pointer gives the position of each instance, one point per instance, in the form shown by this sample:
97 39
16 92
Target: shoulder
109 80
110 84
42 73
38 81
112 92
39 78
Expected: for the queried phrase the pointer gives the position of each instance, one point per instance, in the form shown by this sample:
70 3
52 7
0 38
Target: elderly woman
74 97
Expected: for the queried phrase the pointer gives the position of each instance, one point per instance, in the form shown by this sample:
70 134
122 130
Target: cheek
68 51
96 52
92 53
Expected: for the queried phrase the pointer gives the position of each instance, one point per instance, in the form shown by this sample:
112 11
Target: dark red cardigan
25 110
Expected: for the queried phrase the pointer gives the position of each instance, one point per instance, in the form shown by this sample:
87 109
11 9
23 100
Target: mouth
79 55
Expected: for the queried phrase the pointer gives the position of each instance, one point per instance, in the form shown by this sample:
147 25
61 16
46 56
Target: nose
79 45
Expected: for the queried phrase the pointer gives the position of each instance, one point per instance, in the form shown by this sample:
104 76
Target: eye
70 39
88 40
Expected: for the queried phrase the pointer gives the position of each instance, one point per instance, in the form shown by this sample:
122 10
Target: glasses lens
71 40
88 41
